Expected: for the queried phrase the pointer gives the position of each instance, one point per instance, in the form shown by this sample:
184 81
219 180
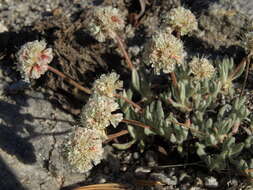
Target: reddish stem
136 123
128 101
174 79
122 48
69 80
116 135
87 90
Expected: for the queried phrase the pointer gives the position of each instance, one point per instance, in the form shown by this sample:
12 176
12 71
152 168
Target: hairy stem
136 123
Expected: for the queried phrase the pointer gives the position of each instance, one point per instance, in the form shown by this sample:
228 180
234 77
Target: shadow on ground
8 180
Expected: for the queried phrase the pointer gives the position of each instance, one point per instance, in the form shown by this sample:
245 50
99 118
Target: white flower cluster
86 149
182 20
33 59
97 114
105 21
164 52
107 85
201 68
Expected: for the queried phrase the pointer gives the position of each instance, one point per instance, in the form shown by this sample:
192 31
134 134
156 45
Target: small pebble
127 158
151 158
211 182
142 170
136 155
123 168
164 178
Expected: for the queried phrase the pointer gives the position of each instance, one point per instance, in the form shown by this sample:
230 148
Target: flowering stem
174 79
128 101
122 48
69 80
136 123
116 135
87 90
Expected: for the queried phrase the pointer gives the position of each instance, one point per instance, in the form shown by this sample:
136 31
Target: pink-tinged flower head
33 59
105 21
182 20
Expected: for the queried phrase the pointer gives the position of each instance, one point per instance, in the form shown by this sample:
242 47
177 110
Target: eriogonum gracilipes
85 149
105 23
201 68
181 20
97 113
164 51
107 85
104 20
33 59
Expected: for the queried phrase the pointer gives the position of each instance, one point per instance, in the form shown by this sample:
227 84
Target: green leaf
240 71
201 149
159 111
136 80
182 93
211 140
124 146
228 143
249 142
235 149
209 123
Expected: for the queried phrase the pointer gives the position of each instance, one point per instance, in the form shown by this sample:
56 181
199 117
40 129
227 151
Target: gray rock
245 7
32 132
223 21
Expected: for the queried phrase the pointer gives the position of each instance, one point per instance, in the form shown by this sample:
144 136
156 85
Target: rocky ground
36 120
